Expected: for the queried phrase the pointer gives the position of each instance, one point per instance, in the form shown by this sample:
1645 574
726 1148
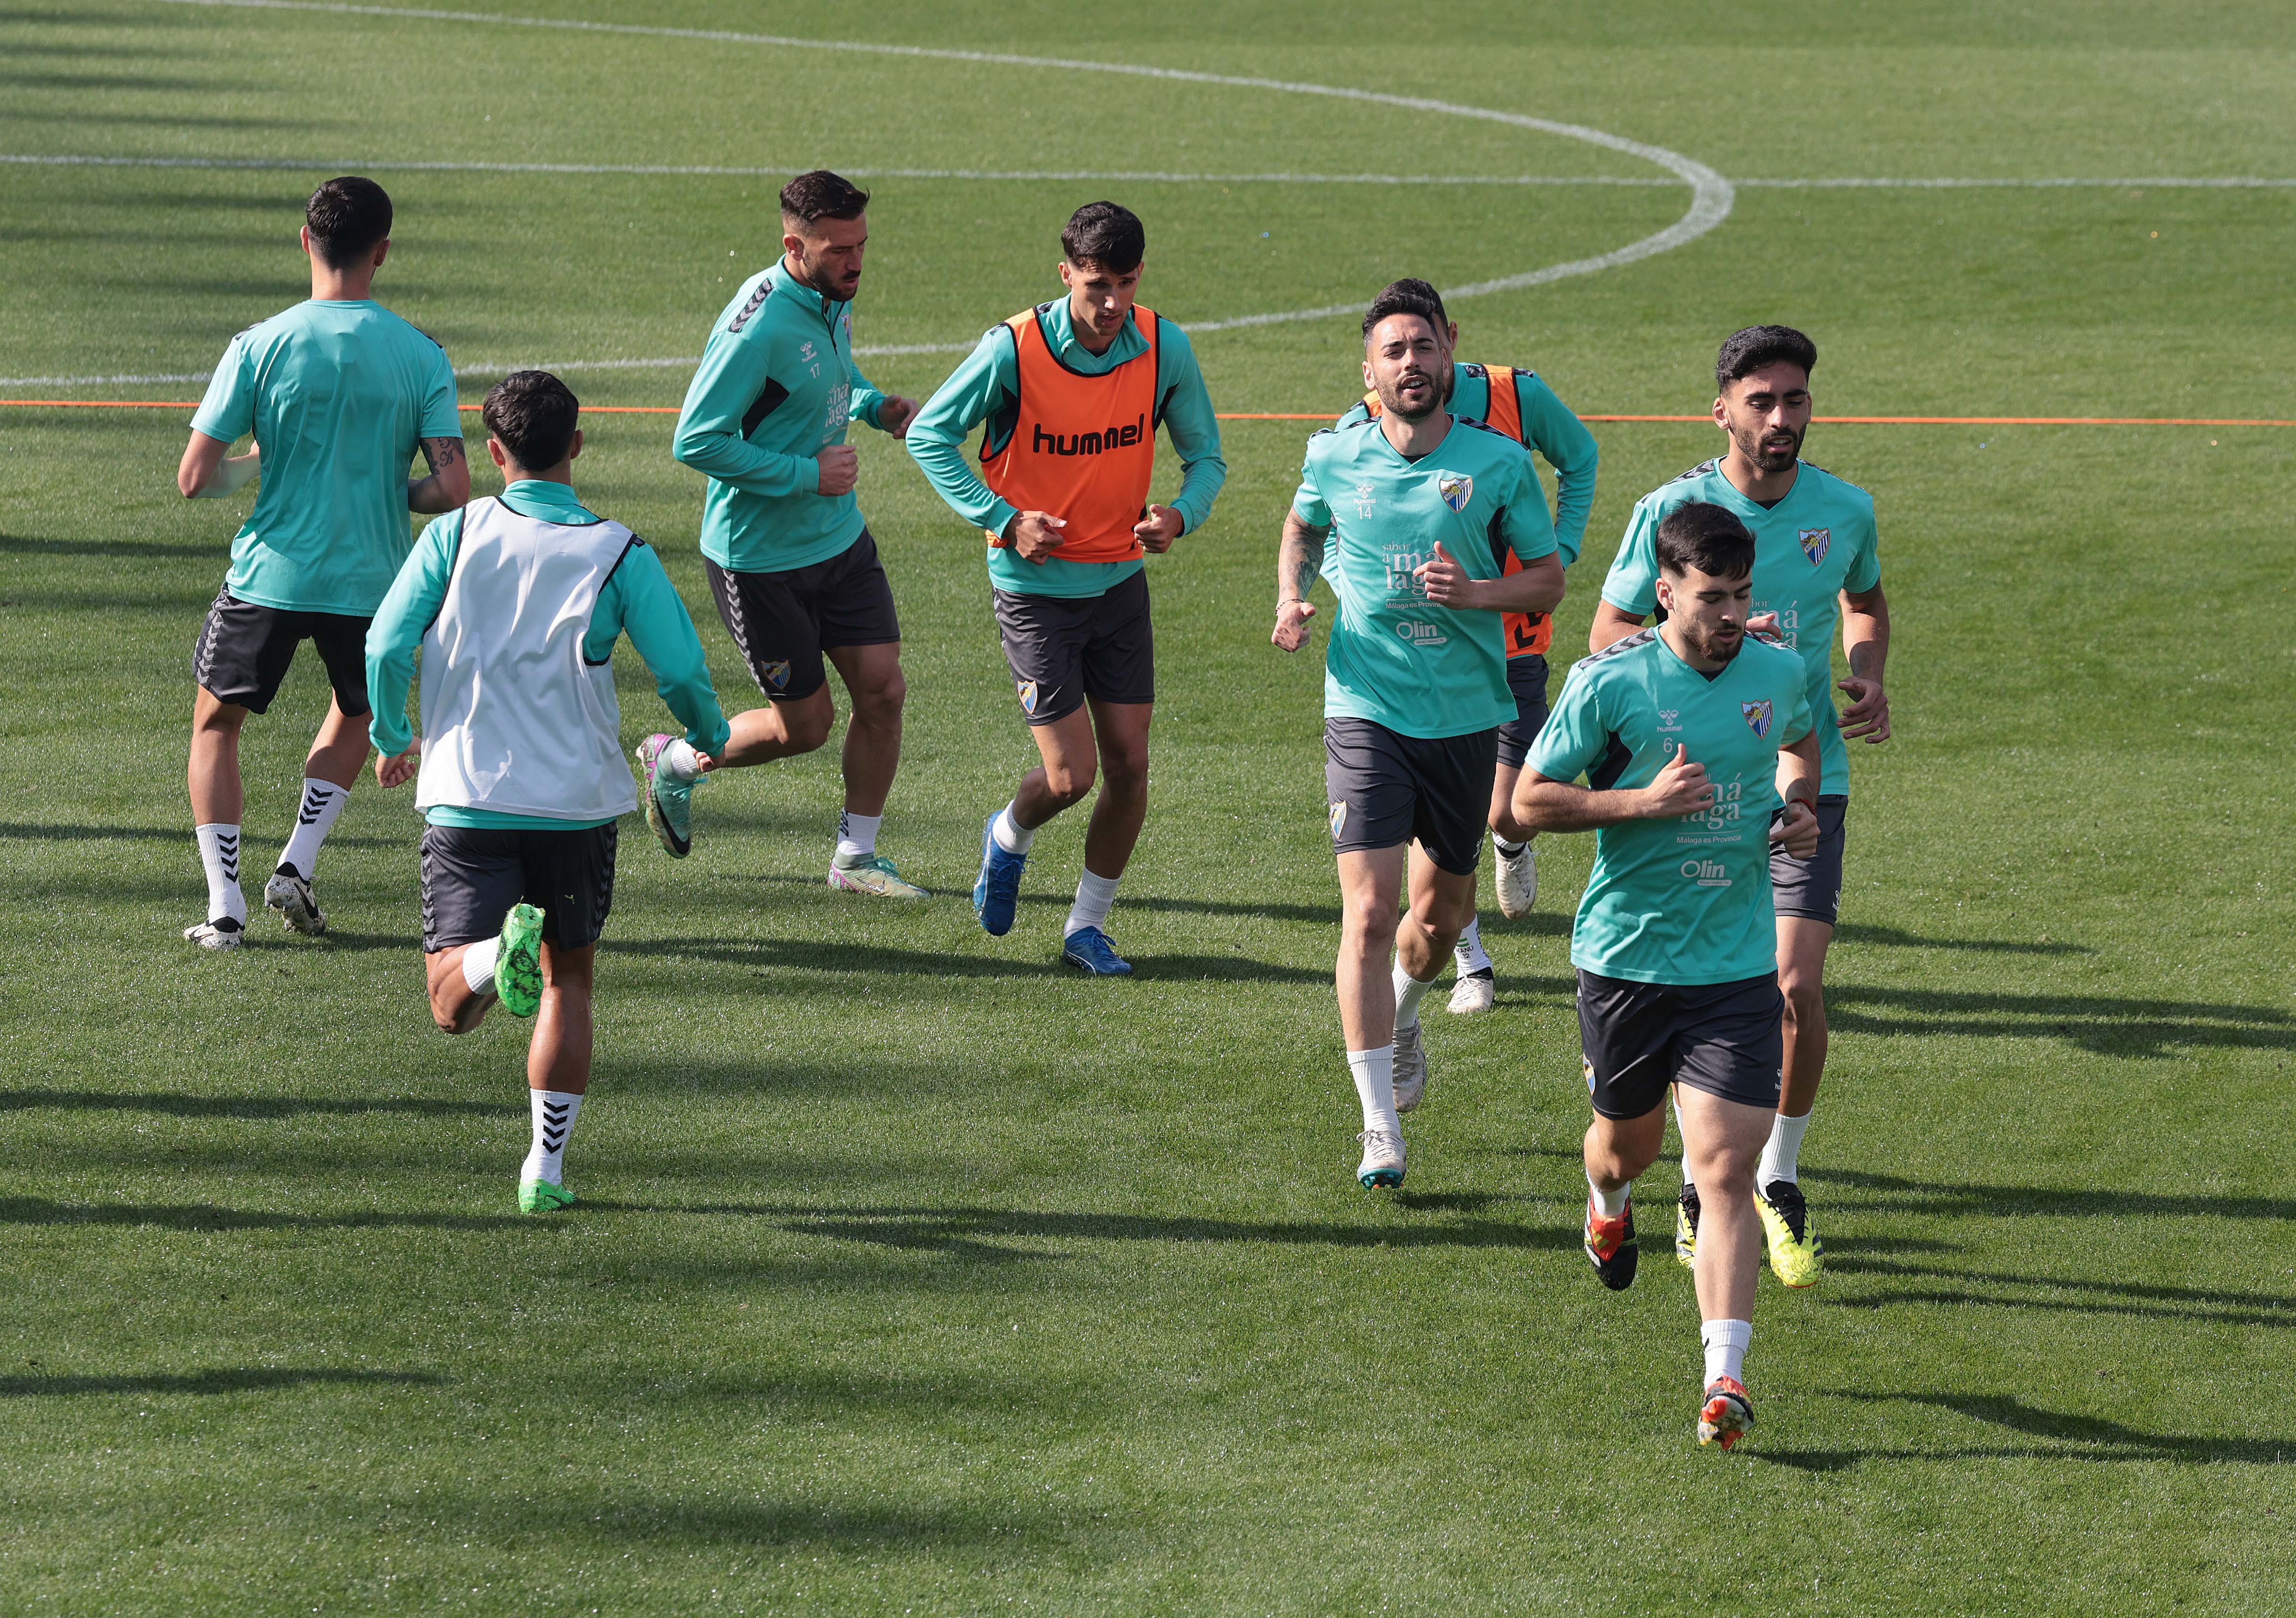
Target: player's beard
1712 642
1765 456
1391 397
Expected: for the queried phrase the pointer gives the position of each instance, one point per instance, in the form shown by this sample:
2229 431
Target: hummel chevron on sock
1609 1205
219 856
1781 1158
1725 1342
1469 951
857 835
554 1111
1408 992
323 801
479 965
676 762
1011 835
1374 1076
1094 896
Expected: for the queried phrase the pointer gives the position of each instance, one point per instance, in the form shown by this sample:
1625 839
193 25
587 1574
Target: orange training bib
1082 447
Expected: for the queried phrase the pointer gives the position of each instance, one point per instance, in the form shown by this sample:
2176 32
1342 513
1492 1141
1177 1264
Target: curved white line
1710 194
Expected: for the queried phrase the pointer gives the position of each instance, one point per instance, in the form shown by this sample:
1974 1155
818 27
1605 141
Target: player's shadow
2195 1304
29 544
1314 915
2100 1025
228 1379
1895 937
812 957
254 1109
33 831
2051 1435
207 1217
1896 1193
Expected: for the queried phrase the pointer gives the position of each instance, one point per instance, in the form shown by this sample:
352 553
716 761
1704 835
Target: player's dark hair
1106 235
1744 353
347 217
1709 538
819 195
533 413
1407 298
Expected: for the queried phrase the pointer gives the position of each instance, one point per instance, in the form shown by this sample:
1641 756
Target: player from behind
1697 747
339 393
1518 403
515 605
1816 560
1415 508
790 560
1070 394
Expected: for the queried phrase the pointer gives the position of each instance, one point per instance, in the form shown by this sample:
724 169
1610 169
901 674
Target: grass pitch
912 1276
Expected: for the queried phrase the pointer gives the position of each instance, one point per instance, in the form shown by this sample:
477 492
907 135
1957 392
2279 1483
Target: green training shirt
338 393
986 388
777 386
638 598
1684 901
1395 658
1560 437
1816 542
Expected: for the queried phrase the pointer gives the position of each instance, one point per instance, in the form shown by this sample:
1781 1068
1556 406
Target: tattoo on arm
439 453
1301 558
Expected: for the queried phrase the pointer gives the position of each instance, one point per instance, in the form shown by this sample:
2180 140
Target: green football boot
541 1197
518 961
1797 1257
872 874
668 803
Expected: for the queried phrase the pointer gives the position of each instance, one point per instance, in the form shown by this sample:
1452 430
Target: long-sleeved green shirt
638 598
776 385
986 388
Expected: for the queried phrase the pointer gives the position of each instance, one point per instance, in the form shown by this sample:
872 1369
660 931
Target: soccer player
339 393
1518 403
1071 393
515 605
1416 507
791 561
1816 559
1697 746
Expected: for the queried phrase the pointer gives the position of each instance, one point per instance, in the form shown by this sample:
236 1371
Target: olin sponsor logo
1422 634
1706 873
1043 443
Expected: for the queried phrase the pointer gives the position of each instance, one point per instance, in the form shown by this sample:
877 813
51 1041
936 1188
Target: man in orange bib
1070 394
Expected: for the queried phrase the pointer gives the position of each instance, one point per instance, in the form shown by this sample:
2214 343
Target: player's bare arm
1035 535
1866 641
1536 588
1797 829
1680 787
1611 625
447 488
1297 565
210 472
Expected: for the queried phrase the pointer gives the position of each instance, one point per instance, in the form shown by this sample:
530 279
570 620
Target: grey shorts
472 875
1723 1038
1527 680
783 622
1812 888
1064 648
1386 789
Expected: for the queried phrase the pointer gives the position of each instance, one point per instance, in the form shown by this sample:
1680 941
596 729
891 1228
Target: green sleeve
1187 411
1866 570
1555 433
1309 503
440 417
867 396
1574 738
710 436
989 378
639 599
1798 720
227 412
1632 585
1524 524
396 635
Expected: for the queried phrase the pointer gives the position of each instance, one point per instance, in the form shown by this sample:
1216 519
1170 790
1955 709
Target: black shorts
1064 648
1812 888
1527 679
243 652
1723 1038
1386 789
472 875
783 622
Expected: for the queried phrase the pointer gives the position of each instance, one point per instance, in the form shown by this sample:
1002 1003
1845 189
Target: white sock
554 1112
1408 992
677 762
857 835
1469 951
1727 1341
1686 1144
1011 835
1507 848
479 965
1780 1157
1609 1205
1374 1076
219 856
323 800
1095 895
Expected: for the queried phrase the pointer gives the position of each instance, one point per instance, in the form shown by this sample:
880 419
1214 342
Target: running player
1697 747
1816 557
791 561
515 605
1518 403
1417 507
1072 392
339 393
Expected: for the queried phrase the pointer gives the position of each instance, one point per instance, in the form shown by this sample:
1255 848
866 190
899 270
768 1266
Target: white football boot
1517 878
1381 1168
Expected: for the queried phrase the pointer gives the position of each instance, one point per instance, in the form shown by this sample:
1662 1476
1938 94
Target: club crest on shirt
1757 715
777 674
1339 819
1456 488
1027 689
1814 542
